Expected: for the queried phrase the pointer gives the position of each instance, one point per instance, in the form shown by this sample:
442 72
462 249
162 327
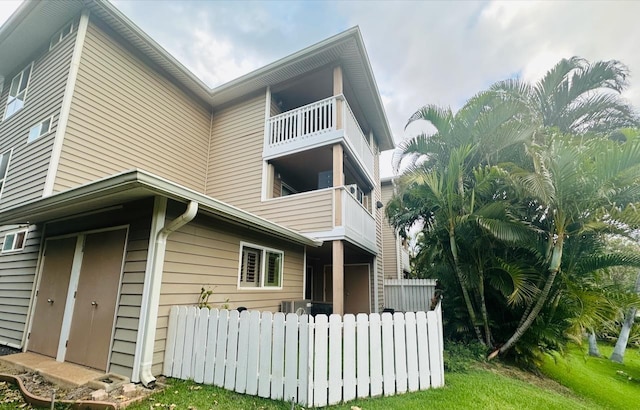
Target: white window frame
264 251
40 129
20 93
14 234
3 178
60 35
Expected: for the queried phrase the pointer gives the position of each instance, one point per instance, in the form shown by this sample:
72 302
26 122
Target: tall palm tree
438 186
576 96
576 185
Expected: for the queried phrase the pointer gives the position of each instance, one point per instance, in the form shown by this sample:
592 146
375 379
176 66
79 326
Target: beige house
127 185
395 249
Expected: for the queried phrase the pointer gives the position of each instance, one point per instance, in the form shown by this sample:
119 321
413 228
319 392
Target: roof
137 184
19 39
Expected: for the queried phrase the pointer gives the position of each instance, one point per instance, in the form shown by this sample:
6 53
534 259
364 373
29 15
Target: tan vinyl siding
137 215
125 115
17 273
235 163
294 211
30 162
389 241
206 253
378 299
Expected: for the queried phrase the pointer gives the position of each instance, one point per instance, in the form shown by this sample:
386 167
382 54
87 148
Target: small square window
15 241
260 267
61 35
39 130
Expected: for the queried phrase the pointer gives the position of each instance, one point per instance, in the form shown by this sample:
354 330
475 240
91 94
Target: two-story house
127 185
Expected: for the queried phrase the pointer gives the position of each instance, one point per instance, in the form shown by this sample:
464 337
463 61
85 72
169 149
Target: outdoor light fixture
379 204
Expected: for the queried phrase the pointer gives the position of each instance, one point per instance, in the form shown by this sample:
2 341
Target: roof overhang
18 41
133 185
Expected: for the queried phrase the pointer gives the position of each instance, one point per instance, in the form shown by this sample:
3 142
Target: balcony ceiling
34 22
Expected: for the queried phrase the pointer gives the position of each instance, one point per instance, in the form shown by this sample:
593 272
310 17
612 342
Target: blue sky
422 52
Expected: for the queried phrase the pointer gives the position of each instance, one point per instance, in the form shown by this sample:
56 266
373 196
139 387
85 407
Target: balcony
327 214
321 123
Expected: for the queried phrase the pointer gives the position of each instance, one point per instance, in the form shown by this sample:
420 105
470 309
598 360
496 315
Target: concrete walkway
64 374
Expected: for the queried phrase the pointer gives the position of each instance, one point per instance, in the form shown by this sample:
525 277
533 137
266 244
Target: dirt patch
528 377
38 386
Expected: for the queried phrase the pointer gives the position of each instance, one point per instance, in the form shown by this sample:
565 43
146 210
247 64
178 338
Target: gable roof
34 22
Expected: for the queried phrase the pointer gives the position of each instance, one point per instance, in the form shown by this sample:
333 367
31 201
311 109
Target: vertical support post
338 181
338 277
338 90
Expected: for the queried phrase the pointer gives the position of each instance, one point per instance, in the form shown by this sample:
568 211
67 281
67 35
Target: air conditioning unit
300 307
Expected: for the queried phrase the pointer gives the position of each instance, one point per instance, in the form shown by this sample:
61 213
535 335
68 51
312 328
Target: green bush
459 357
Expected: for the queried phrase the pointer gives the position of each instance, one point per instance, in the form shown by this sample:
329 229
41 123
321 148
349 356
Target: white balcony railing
314 125
359 224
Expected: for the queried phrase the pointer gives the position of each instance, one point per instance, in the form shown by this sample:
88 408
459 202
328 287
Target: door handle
50 301
94 303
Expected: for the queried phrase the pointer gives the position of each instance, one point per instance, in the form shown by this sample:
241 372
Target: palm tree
623 338
438 187
576 96
576 185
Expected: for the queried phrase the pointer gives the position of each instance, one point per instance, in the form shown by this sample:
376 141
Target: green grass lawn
611 385
482 388
592 384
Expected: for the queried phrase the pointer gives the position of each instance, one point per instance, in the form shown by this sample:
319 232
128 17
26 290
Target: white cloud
7 7
430 52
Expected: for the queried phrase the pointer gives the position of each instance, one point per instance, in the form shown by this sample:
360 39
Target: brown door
52 296
95 305
356 289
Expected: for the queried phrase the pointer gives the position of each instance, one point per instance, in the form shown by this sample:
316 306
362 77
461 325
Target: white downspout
146 377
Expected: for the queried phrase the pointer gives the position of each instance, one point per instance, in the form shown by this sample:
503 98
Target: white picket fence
313 361
409 295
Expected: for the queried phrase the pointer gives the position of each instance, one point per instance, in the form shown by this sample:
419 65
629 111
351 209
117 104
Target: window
18 92
61 35
14 241
39 130
4 169
260 267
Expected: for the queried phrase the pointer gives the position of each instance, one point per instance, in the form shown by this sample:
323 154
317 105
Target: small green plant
203 300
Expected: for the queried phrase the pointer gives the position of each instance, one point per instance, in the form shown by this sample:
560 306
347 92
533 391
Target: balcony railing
315 125
359 224
316 213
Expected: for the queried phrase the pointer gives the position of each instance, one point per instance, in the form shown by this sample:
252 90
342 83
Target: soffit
19 41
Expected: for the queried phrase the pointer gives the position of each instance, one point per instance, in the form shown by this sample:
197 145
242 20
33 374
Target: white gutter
155 282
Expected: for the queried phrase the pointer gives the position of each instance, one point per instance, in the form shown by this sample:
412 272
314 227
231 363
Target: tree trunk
554 268
593 345
465 292
623 338
483 311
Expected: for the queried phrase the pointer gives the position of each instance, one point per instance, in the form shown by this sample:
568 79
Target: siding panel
206 253
30 162
235 162
389 240
17 274
125 115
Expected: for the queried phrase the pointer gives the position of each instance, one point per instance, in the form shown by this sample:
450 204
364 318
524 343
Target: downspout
146 377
